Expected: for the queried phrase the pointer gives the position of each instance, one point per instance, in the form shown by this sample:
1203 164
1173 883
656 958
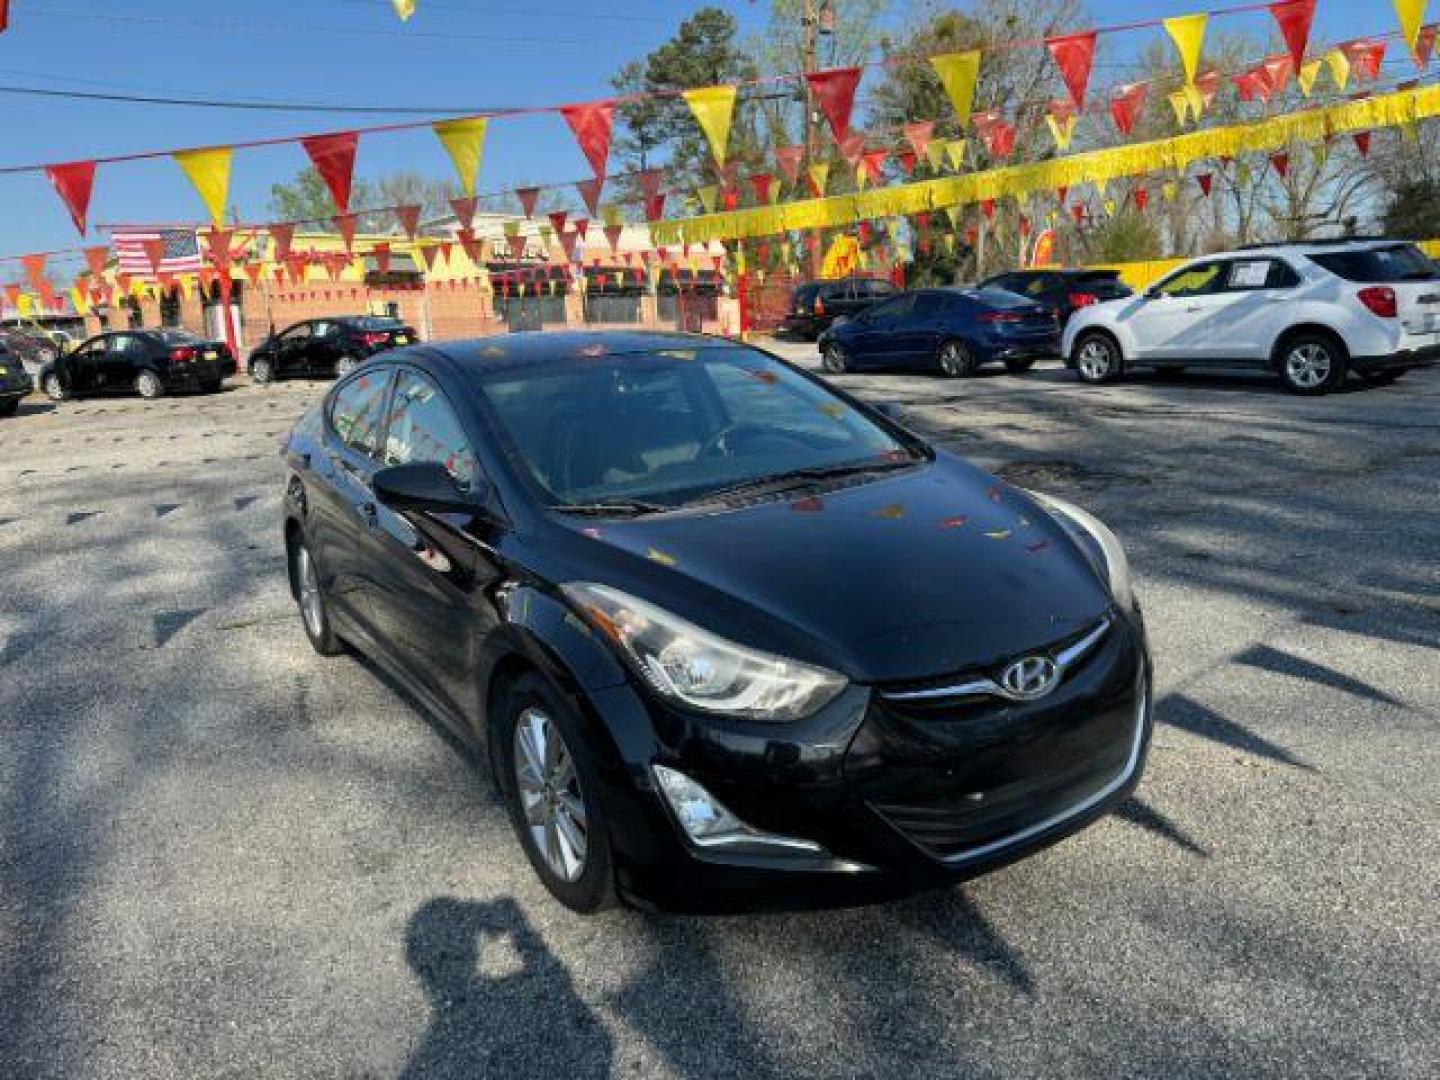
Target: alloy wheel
312 604
148 385
833 360
53 390
345 365
954 360
1095 360
1308 366
549 789
261 371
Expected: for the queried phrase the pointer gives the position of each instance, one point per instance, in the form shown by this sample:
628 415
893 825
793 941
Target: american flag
179 251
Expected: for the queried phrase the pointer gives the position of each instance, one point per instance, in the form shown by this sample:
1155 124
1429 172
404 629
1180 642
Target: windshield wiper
798 478
615 508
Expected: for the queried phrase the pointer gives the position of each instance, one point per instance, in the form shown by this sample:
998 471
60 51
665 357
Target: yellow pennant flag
1188 33
708 194
1061 130
1306 76
862 175
1109 207
1320 152
714 108
1410 131
464 141
82 306
187 286
959 72
819 174
1169 190
955 153
404 8
1411 14
1180 102
1339 65
1196 101
209 172
935 153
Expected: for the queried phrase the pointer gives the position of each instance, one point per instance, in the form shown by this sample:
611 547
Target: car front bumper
900 795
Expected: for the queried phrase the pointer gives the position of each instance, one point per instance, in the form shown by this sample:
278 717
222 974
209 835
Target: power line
258 106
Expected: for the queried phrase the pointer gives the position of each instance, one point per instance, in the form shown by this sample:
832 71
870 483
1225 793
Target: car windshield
177 337
660 429
1380 266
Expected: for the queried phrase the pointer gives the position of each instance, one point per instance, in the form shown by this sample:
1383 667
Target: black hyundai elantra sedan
724 632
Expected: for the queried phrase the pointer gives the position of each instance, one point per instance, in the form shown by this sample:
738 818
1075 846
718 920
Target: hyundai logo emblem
1030 678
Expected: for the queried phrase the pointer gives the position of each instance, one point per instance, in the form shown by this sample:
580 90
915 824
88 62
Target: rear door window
1379 266
357 409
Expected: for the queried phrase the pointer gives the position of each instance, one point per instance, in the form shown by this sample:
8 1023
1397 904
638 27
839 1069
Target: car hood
906 576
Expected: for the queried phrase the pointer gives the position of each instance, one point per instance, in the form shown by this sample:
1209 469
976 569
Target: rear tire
956 360
149 386
1312 364
9 408
314 610
345 365
262 372
552 788
1019 367
1097 359
53 389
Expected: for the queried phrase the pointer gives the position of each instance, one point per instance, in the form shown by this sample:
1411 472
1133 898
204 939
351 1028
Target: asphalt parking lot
221 855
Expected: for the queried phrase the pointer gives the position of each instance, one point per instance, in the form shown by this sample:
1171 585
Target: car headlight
1095 537
694 667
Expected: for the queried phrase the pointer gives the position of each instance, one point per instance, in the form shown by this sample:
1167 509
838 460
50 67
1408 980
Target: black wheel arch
1277 353
1097 331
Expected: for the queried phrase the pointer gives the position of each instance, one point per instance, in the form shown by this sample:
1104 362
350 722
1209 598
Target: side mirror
423 486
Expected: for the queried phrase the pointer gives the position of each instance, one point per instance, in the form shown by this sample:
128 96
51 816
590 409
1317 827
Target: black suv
146 362
14 382
331 346
1064 292
815 305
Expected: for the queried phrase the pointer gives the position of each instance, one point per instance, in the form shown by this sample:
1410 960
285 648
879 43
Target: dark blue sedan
953 331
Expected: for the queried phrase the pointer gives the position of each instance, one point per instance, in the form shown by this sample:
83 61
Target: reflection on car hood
908 576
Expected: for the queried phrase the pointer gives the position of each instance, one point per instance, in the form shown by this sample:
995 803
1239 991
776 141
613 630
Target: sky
461 54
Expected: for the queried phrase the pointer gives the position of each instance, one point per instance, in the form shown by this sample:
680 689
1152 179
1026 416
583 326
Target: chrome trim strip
1064 660
1142 708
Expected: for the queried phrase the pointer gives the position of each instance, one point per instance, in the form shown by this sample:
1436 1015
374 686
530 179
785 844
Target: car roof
539 346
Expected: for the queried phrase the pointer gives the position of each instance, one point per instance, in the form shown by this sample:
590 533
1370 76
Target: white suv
1310 312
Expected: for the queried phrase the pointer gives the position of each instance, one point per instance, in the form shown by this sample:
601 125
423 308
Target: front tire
552 787
9 408
1097 359
314 610
956 360
262 372
149 386
345 365
53 388
833 361
1311 365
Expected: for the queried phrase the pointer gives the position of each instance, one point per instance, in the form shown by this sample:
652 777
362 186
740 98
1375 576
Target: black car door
344 540
324 346
291 350
80 370
432 564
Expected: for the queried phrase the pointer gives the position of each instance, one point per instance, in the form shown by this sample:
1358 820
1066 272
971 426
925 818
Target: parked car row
1312 313
330 346
14 380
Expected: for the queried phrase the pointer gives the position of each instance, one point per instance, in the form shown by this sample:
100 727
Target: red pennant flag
582 226
517 246
907 160
427 256
527 197
464 208
834 93
281 235
444 248
919 134
1209 85
345 225
470 244
760 183
95 259
557 221
217 247
1078 213
999 139
874 163
987 207
4 15
73 183
1142 199
1362 143
612 236
382 258
1205 180
1425 46
1294 18
1127 105
154 252
35 268
729 198
852 148
409 218
334 159
253 270
12 294
568 241
1277 71
1281 162
590 193
788 159
1366 57
1075 55
1060 194
591 124
655 206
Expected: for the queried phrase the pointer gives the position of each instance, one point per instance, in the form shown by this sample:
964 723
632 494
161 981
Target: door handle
1192 310
370 515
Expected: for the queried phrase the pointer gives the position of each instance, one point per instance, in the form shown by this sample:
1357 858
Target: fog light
709 824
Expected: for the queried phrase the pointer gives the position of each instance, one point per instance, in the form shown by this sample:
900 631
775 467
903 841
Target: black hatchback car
145 362
14 382
333 346
1062 292
951 331
815 306
726 632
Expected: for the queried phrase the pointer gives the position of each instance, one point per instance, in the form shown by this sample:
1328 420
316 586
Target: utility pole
810 28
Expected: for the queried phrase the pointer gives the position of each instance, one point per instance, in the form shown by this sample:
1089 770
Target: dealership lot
220 854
